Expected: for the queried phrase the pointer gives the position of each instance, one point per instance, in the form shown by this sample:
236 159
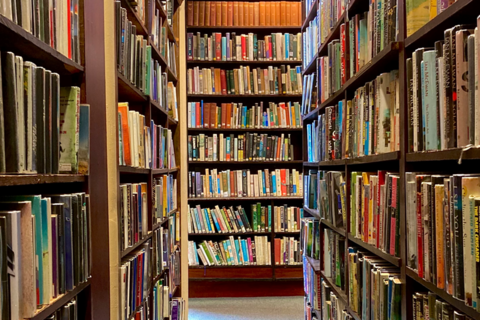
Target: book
287 251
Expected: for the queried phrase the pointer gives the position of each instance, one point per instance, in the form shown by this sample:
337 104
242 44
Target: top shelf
262 29
22 43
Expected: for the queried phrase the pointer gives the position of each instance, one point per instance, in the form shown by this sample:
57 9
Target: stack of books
426 305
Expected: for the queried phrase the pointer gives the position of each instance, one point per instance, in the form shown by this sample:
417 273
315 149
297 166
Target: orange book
439 193
246 14
251 14
288 12
228 117
213 15
277 14
201 15
235 81
256 14
207 13
299 14
218 81
230 14
224 13
213 115
224 114
241 15
294 18
123 109
267 13
235 14
190 13
196 12
278 245
218 13
283 13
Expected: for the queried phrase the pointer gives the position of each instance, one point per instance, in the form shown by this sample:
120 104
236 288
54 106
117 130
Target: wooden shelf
163 171
229 234
133 170
456 303
287 233
158 107
312 212
444 155
376 158
257 162
231 266
312 13
160 8
158 56
312 115
312 66
171 76
460 12
241 62
246 198
314 263
136 246
328 224
334 34
335 289
356 6
54 305
127 92
245 130
331 163
385 256
29 179
22 43
310 164
266 29
243 96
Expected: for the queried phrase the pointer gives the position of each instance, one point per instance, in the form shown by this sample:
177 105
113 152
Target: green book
254 215
259 218
269 218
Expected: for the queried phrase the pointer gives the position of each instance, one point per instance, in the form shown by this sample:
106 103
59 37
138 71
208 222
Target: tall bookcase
244 280
445 162
152 110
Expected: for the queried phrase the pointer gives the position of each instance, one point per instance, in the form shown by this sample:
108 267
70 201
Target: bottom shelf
226 273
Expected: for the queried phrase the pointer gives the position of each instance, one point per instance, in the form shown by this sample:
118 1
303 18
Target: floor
265 308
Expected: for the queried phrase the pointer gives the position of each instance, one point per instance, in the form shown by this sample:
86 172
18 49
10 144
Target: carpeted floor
265 308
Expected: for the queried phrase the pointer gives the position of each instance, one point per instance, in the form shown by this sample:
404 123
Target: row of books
161 250
244 47
442 221
332 197
69 311
55 23
329 12
243 183
442 94
133 212
141 145
245 80
309 94
369 124
287 251
159 38
50 240
310 42
244 147
161 300
375 209
310 238
135 275
164 196
421 12
232 252
230 220
244 13
311 286
43 128
369 34
237 116
375 287
426 305
334 266
332 307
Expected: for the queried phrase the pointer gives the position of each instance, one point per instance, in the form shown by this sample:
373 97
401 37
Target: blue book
215 221
218 186
287 45
225 247
309 141
429 97
237 248
274 183
227 147
422 72
239 219
207 220
389 301
264 186
224 49
210 184
244 117
260 154
255 46
197 217
196 254
201 110
245 251
269 218
155 300
194 117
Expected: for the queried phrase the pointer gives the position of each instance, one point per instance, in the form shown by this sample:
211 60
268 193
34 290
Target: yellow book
418 14
439 193
433 9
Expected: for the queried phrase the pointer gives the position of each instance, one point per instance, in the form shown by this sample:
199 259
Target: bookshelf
240 280
393 56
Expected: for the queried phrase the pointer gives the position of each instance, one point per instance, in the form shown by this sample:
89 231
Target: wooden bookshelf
231 277
393 57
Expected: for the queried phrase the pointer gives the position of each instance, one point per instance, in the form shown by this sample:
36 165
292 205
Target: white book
221 156
255 185
201 254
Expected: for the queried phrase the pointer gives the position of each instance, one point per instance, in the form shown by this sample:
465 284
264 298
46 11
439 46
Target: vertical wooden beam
182 125
100 94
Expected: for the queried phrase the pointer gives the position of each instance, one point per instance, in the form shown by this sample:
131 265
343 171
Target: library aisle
264 308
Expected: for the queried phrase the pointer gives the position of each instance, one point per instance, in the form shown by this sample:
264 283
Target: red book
139 279
419 234
379 229
198 112
213 14
393 220
342 54
287 115
224 114
123 109
244 48
278 245
270 49
228 120
218 47
224 82
213 115
284 181
206 115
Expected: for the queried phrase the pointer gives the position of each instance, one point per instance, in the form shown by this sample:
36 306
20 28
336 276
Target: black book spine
55 116
48 122
417 70
2 127
438 55
458 237
40 119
